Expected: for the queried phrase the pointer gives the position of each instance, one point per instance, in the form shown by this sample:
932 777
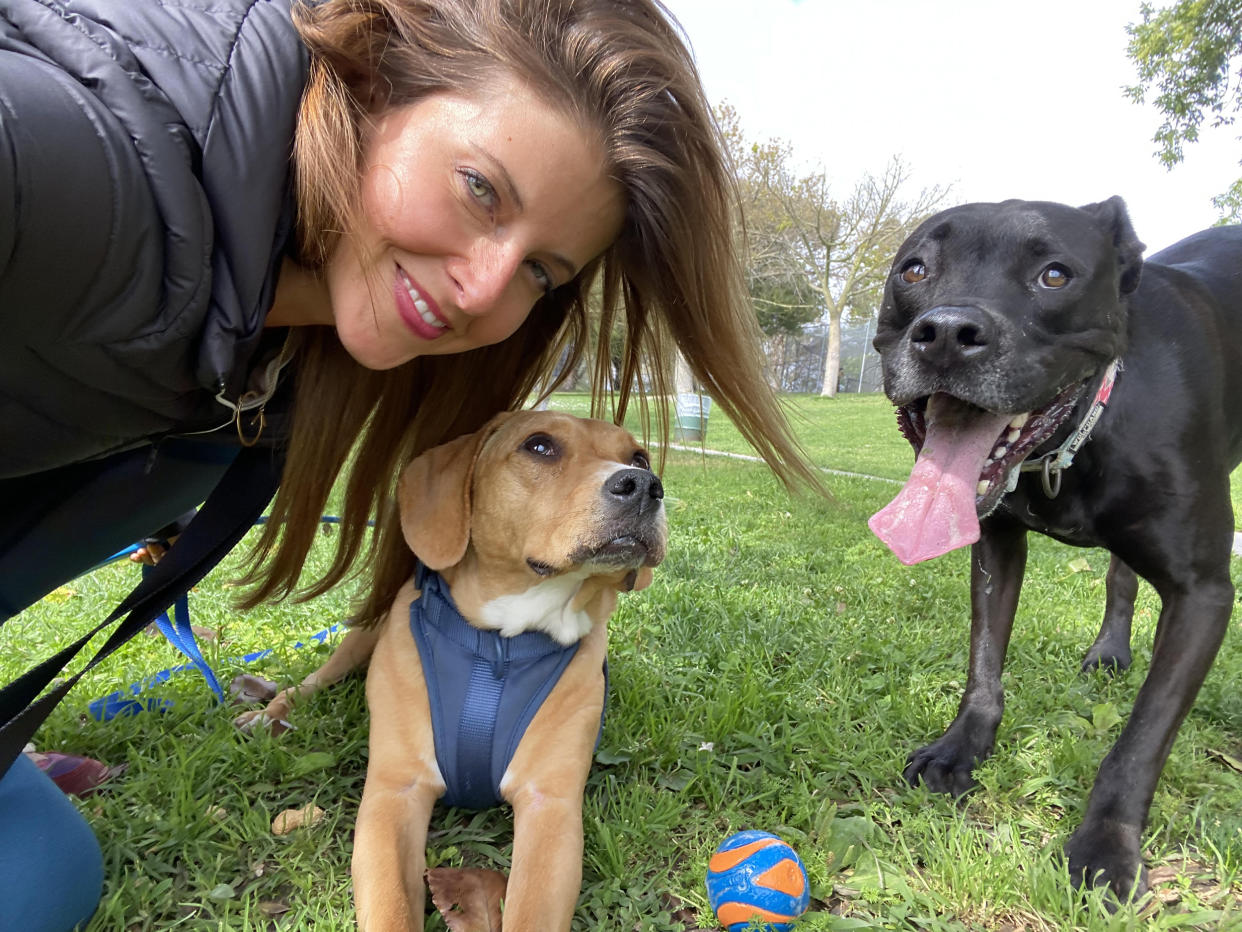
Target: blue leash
117 703
180 634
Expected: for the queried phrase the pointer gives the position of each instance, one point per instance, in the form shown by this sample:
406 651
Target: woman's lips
417 311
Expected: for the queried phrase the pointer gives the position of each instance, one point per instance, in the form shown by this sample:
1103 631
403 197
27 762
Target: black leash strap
237 500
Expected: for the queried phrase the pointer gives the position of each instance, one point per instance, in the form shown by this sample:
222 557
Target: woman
463 173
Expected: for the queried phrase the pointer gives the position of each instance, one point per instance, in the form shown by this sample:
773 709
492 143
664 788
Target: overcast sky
997 98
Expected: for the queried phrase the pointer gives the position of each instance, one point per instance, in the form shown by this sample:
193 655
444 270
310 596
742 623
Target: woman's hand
154 547
152 550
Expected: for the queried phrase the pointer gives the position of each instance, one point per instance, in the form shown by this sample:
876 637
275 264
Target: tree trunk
832 358
683 381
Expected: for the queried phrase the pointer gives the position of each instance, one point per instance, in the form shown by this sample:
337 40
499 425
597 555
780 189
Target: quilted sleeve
78 247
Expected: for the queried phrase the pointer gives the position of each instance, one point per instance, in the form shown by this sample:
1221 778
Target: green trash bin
691 419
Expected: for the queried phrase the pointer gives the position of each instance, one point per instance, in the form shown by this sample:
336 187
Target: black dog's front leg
997 564
1111 649
1106 847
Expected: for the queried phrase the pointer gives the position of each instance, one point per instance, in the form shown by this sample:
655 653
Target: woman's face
473 207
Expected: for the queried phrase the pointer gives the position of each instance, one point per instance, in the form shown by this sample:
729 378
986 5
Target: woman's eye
1055 276
913 272
479 187
542 278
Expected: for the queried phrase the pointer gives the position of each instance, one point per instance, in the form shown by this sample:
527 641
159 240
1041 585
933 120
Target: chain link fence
796 362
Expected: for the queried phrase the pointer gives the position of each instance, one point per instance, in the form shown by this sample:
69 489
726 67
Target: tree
781 295
1186 55
840 249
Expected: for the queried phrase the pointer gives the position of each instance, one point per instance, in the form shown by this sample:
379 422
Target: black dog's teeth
1033 431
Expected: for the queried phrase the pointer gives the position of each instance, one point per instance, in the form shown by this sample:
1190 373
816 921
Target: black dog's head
1004 305
996 318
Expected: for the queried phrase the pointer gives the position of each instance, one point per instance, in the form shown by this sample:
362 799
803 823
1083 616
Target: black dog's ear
1113 218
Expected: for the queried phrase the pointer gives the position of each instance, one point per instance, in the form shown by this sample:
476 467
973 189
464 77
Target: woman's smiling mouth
417 311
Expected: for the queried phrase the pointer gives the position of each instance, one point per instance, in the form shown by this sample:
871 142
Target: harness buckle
501 658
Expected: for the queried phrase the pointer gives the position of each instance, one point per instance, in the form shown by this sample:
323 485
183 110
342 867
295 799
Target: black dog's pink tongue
935 512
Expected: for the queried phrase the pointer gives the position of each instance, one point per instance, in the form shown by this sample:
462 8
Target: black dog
1002 330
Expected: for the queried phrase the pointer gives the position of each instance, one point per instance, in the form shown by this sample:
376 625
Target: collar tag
1051 464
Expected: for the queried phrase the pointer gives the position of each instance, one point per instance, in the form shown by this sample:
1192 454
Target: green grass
775 676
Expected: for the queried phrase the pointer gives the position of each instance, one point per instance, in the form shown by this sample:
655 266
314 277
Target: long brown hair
621 70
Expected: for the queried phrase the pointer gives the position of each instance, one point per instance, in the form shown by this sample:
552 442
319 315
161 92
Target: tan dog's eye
913 272
640 461
540 445
1055 276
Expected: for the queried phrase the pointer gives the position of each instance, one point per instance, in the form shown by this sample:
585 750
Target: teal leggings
51 869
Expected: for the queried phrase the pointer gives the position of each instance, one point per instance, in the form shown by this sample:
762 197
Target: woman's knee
51 868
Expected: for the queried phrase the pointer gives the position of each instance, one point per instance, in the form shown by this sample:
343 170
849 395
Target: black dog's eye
640 461
540 445
1055 276
913 272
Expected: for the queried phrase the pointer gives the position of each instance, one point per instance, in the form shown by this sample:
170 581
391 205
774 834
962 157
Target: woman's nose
484 276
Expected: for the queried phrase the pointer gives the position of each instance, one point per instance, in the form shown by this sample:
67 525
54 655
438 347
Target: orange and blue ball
756 876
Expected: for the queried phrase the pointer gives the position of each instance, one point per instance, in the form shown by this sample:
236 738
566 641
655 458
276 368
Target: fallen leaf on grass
292 819
273 908
1079 565
680 910
1228 760
246 687
468 898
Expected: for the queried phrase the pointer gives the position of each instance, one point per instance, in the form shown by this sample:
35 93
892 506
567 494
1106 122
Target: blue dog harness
484 690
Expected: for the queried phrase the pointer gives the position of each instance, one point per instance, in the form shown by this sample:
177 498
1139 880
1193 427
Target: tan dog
534 523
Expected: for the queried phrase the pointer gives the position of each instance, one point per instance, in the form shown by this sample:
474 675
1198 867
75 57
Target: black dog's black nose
634 485
948 335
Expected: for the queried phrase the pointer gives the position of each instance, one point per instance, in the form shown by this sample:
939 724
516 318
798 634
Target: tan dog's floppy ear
434 498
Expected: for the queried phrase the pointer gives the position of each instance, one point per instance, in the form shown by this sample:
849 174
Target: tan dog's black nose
636 487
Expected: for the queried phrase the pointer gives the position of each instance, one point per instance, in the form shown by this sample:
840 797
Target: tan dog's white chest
547 606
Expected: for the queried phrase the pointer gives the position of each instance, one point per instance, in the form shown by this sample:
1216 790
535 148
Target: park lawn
774 676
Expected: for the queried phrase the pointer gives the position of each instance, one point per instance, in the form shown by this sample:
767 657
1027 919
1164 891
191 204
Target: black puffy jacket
144 211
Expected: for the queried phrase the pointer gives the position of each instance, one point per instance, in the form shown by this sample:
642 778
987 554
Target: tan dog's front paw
272 719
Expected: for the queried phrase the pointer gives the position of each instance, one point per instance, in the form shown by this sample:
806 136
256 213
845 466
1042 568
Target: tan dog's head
536 520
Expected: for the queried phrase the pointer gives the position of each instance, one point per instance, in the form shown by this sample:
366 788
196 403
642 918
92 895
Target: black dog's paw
1108 854
944 766
1106 657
